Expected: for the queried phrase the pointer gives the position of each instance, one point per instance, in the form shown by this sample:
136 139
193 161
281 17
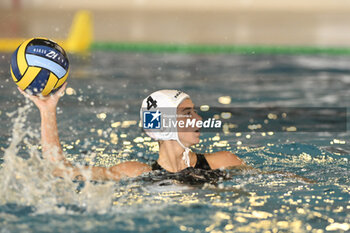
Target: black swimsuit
200 174
201 163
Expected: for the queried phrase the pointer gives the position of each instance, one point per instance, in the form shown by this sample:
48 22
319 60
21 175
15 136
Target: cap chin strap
185 156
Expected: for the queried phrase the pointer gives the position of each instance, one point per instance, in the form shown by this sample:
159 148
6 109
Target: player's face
185 112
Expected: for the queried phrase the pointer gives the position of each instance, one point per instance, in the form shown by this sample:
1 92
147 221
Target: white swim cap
165 102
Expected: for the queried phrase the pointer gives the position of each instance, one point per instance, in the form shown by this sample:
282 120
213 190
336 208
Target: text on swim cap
177 94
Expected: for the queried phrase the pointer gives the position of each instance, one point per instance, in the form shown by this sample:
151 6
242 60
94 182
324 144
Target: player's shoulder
223 159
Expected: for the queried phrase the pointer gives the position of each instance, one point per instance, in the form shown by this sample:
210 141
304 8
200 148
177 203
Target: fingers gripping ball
39 66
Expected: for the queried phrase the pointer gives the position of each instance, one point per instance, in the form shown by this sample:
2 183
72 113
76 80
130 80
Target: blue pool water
98 124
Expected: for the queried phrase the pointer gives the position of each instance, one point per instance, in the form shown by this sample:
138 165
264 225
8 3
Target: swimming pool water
98 124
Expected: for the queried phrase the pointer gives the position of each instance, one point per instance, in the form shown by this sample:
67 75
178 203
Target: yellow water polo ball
39 66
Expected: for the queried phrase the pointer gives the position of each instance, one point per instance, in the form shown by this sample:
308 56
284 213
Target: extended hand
47 103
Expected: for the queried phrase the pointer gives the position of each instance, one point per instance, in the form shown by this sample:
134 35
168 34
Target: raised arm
52 150
51 147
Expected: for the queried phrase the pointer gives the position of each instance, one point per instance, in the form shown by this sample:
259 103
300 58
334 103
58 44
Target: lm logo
152 119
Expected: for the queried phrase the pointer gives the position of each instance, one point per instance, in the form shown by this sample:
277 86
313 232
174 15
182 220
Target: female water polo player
174 152
174 144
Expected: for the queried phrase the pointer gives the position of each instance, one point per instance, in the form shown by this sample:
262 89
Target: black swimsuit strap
201 163
156 167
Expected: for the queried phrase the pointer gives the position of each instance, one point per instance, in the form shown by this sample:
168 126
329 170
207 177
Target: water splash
30 182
